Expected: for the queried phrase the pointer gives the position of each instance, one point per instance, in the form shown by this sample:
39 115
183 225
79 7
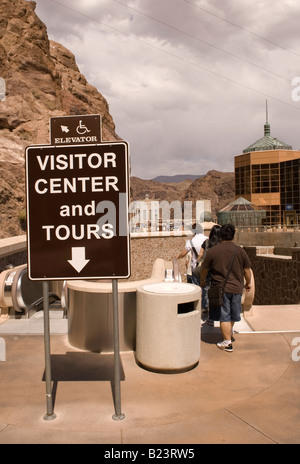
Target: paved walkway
250 396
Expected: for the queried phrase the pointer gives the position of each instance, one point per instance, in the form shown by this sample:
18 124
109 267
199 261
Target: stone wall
277 278
285 239
14 260
144 252
13 252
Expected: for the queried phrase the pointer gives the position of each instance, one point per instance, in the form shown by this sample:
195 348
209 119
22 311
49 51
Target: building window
274 178
256 179
273 215
265 178
242 181
290 186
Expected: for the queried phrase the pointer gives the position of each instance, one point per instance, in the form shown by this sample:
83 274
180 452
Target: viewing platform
250 396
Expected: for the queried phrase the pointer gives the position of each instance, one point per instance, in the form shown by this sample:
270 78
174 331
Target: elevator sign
72 130
77 211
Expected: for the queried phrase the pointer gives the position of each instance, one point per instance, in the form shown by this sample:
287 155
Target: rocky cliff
42 80
218 187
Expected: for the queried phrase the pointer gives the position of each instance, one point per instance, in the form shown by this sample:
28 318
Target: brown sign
77 212
76 130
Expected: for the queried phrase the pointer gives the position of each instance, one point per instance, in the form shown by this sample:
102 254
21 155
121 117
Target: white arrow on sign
78 260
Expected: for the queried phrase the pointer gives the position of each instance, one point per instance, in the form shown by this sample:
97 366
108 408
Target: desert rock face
219 187
215 186
42 80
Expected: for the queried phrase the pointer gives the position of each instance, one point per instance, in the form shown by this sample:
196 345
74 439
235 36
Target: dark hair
227 232
214 236
197 228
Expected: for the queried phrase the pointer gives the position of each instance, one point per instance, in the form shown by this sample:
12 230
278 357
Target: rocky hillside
157 190
215 186
219 187
42 80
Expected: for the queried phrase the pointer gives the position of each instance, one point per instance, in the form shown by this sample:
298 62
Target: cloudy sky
187 80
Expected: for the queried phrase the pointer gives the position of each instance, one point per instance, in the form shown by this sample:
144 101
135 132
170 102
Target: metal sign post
49 400
118 416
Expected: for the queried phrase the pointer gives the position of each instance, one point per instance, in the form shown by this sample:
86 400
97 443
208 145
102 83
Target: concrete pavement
250 396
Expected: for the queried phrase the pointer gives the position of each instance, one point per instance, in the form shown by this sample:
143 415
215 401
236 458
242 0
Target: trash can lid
171 288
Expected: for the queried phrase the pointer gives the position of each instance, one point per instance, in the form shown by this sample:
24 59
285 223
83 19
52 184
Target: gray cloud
183 105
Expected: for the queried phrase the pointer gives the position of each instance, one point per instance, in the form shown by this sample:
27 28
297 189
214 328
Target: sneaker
225 346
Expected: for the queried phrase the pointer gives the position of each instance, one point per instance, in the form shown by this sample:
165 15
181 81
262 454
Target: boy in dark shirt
217 261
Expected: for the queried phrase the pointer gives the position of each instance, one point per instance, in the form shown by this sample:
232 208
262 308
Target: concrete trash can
168 327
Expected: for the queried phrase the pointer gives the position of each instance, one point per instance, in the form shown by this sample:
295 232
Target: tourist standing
218 260
194 246
213 240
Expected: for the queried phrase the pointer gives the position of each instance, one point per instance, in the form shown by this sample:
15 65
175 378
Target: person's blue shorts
230 311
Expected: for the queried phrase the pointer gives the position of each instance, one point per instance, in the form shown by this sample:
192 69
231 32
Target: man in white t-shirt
194 246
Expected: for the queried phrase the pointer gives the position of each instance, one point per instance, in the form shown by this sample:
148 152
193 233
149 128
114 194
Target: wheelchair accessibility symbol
76 130
82 129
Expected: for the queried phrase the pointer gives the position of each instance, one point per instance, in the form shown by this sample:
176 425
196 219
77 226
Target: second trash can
168 327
